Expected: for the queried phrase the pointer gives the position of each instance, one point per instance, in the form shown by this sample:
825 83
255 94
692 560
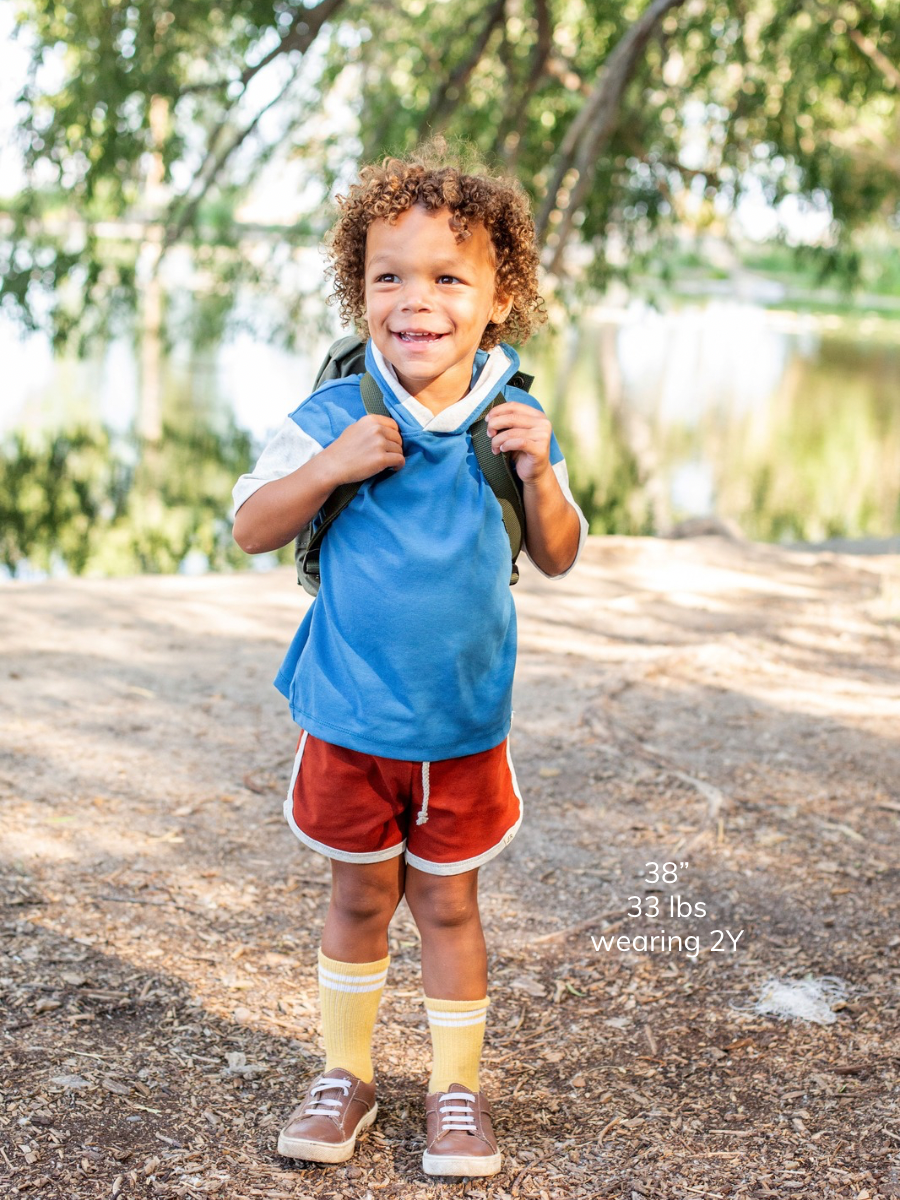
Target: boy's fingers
501 416
390 429
529 445
520 421
392 443
515 406
381 422
386 427
509 439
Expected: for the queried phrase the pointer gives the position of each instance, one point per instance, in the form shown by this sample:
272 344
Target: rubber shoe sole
469 1165
325 1152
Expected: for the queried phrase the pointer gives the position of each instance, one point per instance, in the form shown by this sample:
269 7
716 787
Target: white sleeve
561 471
289 449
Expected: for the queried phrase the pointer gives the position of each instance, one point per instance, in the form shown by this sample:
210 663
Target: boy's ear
501 310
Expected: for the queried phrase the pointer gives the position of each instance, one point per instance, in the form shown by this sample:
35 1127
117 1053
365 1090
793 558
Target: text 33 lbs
649 906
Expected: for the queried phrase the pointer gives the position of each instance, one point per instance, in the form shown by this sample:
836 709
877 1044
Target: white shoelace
457 1116
325 1106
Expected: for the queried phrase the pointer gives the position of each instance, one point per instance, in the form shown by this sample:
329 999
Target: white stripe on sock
347 983
456 1012
461 1018
456 1024
340 987
343 977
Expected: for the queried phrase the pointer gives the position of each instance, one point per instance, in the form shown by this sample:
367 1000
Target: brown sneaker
334 1111
460 1137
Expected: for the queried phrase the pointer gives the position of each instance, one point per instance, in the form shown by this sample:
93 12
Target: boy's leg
353 960
445 909
353 965
454 974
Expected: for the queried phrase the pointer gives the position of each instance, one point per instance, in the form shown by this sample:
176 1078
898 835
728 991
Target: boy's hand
366 447
525 433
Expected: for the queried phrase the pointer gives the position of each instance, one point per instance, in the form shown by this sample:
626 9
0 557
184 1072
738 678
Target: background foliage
78 502
204 142
626 121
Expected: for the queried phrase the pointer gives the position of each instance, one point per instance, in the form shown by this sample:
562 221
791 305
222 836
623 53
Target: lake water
787 424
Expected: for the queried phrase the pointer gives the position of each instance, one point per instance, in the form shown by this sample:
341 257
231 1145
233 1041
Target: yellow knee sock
349 994
457 1034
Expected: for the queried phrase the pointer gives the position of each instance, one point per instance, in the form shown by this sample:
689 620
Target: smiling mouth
409 335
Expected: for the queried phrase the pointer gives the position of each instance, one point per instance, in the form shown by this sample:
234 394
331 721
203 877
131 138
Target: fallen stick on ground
581 927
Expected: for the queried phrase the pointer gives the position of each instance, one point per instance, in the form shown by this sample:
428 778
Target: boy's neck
442 392
436 406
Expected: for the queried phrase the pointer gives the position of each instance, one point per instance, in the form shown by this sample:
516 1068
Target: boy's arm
276 511
552 527
552 523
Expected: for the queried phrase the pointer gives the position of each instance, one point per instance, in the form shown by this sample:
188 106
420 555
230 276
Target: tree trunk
590 132
149 421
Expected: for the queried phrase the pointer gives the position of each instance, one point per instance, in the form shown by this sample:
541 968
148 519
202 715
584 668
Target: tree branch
189 211
866 47
539 57
300 37
566 74
881 61
294 39
595 124
439 109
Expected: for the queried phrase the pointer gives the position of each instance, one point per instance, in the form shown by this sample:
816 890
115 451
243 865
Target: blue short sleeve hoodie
408 650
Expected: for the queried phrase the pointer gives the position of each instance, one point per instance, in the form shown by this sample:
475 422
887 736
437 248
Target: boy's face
429 300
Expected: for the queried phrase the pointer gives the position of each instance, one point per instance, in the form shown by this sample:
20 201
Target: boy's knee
363 900
443 903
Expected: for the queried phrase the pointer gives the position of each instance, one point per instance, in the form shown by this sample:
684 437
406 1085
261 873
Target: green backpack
347 356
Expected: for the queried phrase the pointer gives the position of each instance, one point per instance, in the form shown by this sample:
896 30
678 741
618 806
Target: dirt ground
729 708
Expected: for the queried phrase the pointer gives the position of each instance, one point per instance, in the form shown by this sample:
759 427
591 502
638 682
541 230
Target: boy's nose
415 299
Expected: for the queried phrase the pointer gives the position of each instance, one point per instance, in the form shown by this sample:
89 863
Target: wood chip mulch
731 707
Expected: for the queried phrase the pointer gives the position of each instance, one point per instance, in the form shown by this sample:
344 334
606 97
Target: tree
624 120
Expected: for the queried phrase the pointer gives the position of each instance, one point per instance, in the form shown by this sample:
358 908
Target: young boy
400 676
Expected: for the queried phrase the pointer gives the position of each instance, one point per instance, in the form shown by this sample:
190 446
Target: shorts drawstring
423 811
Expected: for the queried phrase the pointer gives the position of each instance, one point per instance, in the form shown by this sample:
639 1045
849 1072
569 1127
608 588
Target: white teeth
419 337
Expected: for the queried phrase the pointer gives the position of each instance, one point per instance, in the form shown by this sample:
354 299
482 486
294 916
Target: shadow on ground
159 923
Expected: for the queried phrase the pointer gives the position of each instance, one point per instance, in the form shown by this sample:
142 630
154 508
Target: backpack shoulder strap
372 397
306 546
504 483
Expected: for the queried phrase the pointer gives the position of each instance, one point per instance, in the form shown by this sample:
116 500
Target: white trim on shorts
320 847
478 860
413 860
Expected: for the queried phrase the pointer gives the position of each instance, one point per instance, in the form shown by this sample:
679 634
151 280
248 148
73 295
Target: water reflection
788 425
86 502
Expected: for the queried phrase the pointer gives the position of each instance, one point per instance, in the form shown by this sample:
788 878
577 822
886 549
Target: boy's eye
387 277
447 279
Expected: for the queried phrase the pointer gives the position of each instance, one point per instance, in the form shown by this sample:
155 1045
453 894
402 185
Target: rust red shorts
447 816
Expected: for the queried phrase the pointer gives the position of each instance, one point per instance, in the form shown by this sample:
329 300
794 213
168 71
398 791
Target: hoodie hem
406 752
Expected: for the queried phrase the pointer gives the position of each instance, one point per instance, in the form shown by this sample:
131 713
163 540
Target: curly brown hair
437 179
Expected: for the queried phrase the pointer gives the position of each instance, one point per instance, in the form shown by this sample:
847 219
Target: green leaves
624 121
81 501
